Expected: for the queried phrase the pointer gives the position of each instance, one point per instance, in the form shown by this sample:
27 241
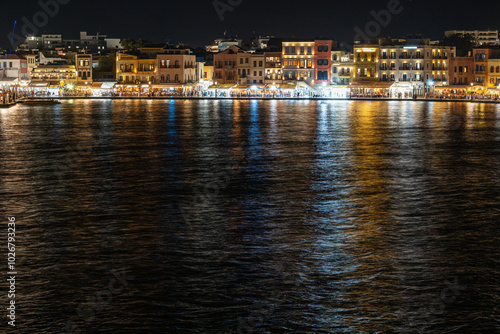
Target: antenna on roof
12 39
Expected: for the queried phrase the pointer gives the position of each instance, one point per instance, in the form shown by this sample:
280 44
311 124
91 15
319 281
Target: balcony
404 57
479 72
439 57
406 68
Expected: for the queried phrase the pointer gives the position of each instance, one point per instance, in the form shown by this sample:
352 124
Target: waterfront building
176 66
461 71
273 70
298 60
257 70
32 62
54 78
483 37
322 61
342 67
244 67
483 57
225 65
208 73
104 68
409 66
365 78
84 67
126 68
494 73
14 68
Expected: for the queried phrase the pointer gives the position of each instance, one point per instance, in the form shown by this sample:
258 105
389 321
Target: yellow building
208 73
493 73
131 69
298 60
56 74
342 67
366 63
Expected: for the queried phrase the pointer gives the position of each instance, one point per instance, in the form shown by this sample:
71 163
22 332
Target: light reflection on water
337 217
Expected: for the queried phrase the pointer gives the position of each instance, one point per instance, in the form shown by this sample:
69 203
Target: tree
463 42
130 44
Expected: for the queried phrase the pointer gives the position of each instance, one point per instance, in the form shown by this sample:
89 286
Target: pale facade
298 60
483 37
342 67
176 66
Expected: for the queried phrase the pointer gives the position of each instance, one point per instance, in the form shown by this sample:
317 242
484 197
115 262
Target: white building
483 37
13 67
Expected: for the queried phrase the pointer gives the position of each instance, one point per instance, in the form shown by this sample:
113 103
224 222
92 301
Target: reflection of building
298 60
483 37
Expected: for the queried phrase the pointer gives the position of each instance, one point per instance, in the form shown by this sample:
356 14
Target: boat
40 101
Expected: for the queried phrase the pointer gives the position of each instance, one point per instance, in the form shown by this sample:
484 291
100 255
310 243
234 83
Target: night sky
197 23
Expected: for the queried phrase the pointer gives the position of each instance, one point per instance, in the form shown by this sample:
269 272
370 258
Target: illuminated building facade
225 65
365 62
484 63
176 66
298 60
461 71
274 74
322 61
483 37
84 67
342 67
257 70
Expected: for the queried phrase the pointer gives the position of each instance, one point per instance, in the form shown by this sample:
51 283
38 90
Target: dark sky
197 23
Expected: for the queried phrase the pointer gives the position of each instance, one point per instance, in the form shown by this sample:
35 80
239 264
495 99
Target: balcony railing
479 72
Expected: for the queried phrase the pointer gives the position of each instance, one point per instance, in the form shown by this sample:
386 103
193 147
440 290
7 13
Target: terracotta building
225 65
461 71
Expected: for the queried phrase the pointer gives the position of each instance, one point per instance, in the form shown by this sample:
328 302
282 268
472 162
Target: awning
54 87
39 84
97 85
455 87
167 85
370 85
248 86
224 86
288 86
8 80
